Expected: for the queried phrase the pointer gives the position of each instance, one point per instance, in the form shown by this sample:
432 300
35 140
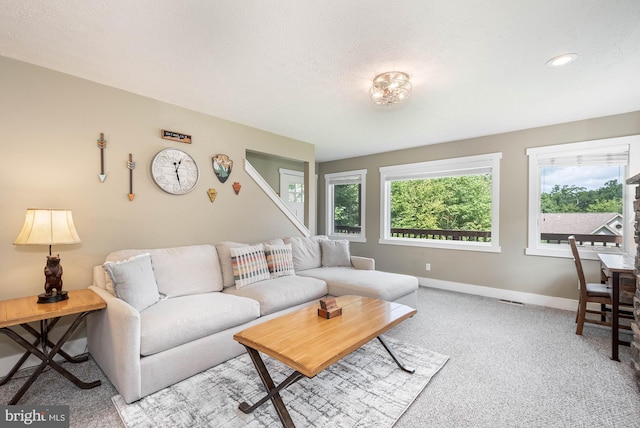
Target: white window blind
609 156
471 165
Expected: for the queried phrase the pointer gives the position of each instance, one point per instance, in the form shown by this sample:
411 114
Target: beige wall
511 269
50 124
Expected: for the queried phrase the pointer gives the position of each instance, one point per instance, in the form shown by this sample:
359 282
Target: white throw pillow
249 265
134 281
335 253
279 260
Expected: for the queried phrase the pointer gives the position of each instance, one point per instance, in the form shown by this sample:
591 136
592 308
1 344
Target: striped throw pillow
279 260
249 265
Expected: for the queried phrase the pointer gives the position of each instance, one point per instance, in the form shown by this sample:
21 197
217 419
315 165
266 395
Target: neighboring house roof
582 223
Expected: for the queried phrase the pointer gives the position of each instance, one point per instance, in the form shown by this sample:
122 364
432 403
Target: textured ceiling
302 68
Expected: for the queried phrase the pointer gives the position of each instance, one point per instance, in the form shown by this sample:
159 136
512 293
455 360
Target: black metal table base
273 391
42 339
395 356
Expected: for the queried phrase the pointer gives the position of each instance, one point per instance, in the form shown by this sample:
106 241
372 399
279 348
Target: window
451 203
579 189
296 193
345 202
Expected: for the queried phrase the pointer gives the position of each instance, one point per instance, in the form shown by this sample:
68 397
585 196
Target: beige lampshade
47 227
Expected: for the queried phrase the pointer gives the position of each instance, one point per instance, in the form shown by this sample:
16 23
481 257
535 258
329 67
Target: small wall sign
175 136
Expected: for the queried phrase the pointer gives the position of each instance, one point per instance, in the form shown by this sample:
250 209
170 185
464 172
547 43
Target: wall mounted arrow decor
131 165
102 143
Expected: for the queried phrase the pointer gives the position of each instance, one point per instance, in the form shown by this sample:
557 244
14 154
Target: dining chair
589 292
602 294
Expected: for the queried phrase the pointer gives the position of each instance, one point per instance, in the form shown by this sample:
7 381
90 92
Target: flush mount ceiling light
389 88
561 60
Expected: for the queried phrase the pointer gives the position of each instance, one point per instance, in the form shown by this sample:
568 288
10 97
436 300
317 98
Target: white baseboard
72 347
498 293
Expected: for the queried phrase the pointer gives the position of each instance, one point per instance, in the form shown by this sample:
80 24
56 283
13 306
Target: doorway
292 191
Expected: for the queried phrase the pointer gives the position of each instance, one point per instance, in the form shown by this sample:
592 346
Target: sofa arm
113 336
363 263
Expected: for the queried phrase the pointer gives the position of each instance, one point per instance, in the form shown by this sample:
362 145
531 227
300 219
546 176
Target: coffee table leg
273 391
395 357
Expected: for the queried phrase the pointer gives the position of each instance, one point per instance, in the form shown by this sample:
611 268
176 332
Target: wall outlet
427 266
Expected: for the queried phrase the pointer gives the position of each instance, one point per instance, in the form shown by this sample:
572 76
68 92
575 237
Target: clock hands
177 165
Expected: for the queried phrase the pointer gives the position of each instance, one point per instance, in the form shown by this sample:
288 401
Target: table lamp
49 227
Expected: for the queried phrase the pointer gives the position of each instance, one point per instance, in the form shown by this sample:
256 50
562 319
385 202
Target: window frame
442 168
537 155
345 177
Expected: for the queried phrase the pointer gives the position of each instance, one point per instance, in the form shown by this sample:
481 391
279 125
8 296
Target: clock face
174 171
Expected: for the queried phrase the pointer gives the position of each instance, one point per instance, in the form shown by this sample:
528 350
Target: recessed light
560 60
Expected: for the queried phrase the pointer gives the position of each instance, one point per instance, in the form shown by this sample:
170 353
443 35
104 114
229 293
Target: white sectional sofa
172 312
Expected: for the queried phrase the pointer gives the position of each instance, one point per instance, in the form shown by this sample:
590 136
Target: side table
20 312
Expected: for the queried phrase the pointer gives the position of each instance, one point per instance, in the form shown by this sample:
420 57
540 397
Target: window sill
449 245
565 252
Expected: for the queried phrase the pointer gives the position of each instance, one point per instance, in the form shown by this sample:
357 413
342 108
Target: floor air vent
511 302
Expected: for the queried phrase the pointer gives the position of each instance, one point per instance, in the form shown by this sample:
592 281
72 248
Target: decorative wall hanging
236 187
175 136
102 143
131 165
222 166
174 171
212 194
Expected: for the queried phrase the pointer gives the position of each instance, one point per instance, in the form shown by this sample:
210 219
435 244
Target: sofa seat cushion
342 281
173 322
281 293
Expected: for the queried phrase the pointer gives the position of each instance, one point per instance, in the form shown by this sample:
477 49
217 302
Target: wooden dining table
615 265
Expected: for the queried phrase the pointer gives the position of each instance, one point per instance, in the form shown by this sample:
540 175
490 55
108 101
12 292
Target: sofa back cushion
181 271
224 254
306 251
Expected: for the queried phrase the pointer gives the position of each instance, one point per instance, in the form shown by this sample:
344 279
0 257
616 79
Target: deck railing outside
582 239
485 236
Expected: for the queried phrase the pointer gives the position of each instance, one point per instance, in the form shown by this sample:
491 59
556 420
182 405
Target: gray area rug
364 389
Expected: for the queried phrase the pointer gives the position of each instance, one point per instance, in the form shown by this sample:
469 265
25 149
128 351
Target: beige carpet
365 389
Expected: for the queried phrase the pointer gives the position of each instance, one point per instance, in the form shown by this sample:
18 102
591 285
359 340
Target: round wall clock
174 171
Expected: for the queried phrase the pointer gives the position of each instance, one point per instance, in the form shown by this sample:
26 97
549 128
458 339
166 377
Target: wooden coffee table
309 344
